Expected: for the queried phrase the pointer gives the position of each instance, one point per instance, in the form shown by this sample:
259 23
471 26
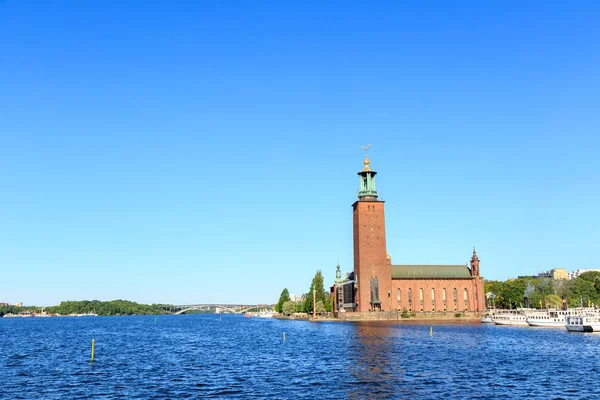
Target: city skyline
214 156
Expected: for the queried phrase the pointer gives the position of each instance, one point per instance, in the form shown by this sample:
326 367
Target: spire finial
366 162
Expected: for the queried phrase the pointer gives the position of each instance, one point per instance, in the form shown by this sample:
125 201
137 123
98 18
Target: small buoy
93 341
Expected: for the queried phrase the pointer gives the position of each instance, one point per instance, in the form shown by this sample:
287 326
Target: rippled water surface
192 356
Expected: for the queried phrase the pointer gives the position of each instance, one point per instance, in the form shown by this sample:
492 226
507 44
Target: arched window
398 296
410 299
454 294
421 295
466 296
432 299
444 295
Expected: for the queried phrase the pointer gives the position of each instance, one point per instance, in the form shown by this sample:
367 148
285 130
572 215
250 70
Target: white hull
583 328
547 324
510 318
510 322
264 315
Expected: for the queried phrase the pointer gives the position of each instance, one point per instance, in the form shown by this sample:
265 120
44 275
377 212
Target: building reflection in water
375 362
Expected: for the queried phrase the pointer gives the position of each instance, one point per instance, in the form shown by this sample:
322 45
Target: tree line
316 299
15 310
114 307
542 292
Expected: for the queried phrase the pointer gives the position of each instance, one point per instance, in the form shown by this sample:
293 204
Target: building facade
378 285
580 271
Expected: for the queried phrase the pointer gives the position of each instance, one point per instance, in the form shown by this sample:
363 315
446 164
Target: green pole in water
155 318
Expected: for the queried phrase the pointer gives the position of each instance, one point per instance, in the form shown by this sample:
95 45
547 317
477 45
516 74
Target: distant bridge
218 308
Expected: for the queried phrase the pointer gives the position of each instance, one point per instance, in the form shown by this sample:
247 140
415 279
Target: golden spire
366 162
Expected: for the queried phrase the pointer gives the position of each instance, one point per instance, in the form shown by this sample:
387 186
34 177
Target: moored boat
552 318
510 317
264 314
585 322
488 318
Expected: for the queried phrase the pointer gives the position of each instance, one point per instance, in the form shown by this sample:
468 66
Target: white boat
488 318
264 314
552 318
510 317
585 322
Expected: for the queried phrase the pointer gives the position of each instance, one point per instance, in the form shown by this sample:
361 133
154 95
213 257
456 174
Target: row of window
410 298
465 294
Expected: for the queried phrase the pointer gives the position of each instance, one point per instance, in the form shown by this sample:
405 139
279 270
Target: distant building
580 271
559 273
556 274
293 297
4 304
19 304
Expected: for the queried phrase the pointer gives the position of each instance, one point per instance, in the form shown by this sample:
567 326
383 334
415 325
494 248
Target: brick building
378 285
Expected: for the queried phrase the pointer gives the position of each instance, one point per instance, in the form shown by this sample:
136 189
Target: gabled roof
430 272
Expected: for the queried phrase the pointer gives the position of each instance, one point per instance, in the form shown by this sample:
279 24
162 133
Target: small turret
474 263
338 274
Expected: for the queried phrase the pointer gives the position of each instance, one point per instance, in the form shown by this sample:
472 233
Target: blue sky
187 152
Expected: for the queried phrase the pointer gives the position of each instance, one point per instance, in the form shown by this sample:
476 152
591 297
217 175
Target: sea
232 357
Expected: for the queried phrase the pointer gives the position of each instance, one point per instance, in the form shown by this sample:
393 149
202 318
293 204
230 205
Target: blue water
195 356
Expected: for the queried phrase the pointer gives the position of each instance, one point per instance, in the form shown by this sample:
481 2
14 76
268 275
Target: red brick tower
477 283
474 264
372 271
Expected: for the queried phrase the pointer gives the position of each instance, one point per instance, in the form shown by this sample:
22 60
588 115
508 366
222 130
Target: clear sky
207 151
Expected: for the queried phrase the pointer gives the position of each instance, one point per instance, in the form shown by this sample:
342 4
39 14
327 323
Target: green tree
283 297
594 277
591 276
328 305
320 307
543 288
511 294
317 287
288 307
580 291
494 287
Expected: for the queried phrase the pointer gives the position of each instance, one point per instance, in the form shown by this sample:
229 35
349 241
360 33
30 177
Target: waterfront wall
419 316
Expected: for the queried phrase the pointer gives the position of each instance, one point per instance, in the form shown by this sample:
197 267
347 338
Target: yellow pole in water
93 349
431 331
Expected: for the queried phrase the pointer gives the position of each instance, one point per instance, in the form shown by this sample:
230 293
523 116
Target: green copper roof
429 271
